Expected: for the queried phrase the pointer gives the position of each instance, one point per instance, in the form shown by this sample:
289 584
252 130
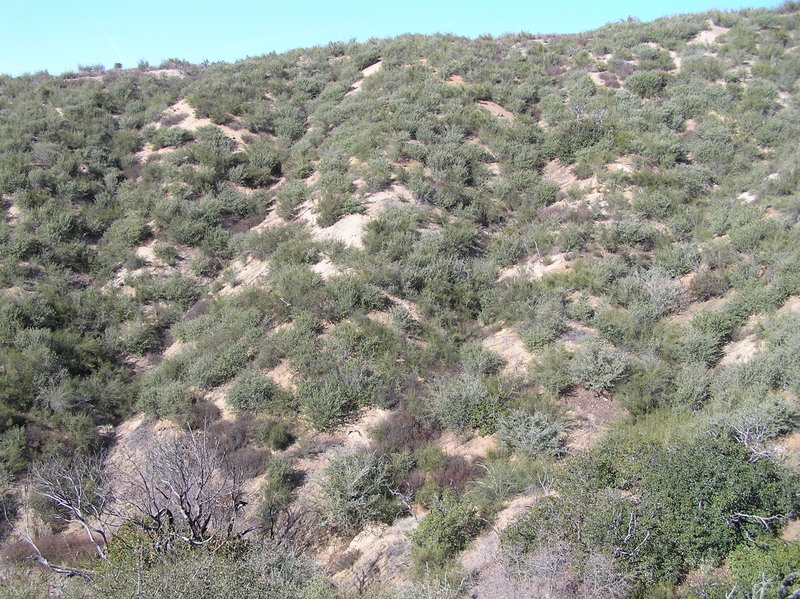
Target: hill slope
538 291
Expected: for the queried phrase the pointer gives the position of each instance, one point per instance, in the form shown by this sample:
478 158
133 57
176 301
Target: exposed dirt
176 348
481 560
710 35
748 197
738 352
791 305
456 81
471 448
559 173
591 415
246 274
696 307
326 269
508 344
282 375
496 110
218 397
191 123
370 70
792 531
349 229
535 268
14 213
383 555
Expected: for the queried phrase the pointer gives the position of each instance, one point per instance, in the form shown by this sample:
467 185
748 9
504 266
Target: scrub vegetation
419 317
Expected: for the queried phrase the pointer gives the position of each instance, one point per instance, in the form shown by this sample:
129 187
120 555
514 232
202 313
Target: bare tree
78 488
181 489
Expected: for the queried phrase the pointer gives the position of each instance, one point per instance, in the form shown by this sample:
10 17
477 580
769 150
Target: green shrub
453 399
275 434
446 530
252 391
355 490
596 366
476 360
552 369
646 83
325 402
531 434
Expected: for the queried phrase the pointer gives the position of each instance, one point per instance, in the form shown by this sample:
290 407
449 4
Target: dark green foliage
446 530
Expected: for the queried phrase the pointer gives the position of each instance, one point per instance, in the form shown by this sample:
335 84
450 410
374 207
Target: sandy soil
456 81
507 343
349 229
472 448
192 123
218 397
535 268
14 213
282 375
696 307
383 555
791 305
366 72
481 560
738 352
496 110
591 415
247 273
710 35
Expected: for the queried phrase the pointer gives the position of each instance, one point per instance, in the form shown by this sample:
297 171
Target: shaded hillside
541 292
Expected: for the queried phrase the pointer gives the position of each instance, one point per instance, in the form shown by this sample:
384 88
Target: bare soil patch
591 415
282 375
455 81
536 268
496 110
247 273
192 123
366 72
381 554
710 35
482 561
471 448
508 344
349 229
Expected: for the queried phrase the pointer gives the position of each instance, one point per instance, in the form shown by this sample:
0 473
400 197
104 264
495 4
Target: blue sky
59 35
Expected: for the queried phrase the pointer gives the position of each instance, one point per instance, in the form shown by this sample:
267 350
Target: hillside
421 317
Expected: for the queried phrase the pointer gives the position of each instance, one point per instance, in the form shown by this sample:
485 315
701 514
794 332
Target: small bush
453 399
354 489
531 434
252 391
447 529
276 434
596 366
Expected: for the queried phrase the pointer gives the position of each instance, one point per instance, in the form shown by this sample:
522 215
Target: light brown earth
508 344
472 447
370 70
496 110
710 35
591 416
350 228
535 268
